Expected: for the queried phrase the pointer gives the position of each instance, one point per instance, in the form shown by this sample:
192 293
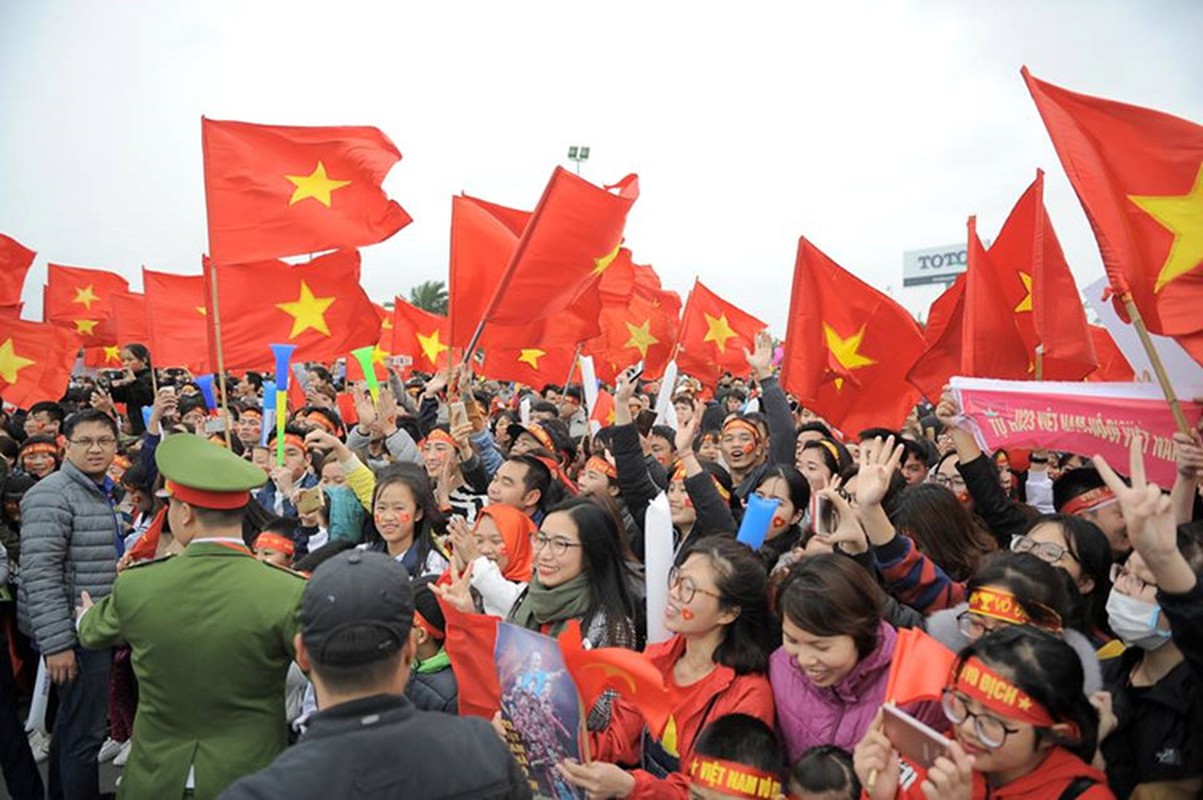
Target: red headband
425 625
1001 605
739 422
440 435
733 779
274 541
39 447
679 475
599 464
1088 501
292 439
323 422
252 412
121 461
1001 696
206 499
542 436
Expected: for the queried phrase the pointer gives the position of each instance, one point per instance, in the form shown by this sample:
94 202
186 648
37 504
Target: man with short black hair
368 740
70 542
522 481
45 417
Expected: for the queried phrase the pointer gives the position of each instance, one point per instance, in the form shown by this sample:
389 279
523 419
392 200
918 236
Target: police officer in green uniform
211 632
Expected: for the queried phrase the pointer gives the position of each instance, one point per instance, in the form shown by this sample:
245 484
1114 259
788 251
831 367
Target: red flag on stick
176 320
35 362
714 335
280 190
420 335
919 668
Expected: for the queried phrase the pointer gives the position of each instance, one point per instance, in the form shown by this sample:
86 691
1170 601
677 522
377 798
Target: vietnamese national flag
81 299
318 306
919 668
603 411
279 190
420 335
535 355
1034 279
991 345
36 360
942 358
1113 367
129 318
15 259
629 673
639 320
1139 176
849 347
571 240
471 640
11 310
714 335
483 238
176 320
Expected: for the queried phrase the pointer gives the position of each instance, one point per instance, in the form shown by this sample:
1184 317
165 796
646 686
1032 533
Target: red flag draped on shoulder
1035 281
1139 176
35 362
15 259
713 336
574 236
176 317
279 190
318 306
420 335
849 347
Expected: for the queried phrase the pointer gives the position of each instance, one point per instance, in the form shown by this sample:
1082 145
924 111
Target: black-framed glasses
1050 552
558 544
948 482
685 588
990 730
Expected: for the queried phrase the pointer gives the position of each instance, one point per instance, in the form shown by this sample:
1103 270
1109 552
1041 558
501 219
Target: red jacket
1049 780
621 742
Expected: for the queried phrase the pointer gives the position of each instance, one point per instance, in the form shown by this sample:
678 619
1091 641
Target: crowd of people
224 607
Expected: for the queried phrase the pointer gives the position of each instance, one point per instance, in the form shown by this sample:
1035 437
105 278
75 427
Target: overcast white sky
872 128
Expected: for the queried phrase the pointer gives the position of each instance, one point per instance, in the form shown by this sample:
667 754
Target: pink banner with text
1084 418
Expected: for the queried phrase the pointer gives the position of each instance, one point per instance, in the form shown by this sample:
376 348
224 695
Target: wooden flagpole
1163 378
221 360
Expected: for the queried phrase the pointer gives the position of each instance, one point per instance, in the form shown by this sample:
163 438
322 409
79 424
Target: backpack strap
1077 788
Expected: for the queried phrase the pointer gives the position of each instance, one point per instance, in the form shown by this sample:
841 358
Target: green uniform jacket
211 634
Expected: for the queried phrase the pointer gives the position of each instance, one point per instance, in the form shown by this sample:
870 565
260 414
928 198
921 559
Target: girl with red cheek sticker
405 515
790 489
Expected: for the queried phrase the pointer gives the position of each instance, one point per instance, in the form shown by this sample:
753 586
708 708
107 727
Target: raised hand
458 593
686 433
761 359
878 462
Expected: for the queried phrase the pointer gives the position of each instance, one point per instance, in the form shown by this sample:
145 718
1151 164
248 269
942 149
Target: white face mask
1135 621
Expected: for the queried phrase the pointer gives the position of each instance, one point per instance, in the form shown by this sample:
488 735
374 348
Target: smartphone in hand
920 743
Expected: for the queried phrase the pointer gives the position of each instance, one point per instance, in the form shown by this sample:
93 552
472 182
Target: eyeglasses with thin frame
990 730
946 481
685 588
1050 552
972 627
558 544
103 442
1120 574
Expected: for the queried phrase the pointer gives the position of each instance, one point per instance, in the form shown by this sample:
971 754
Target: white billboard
934 264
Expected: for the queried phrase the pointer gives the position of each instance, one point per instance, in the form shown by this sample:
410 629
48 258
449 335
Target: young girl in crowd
1021 728
405 518
824 772
714 662
786 485
942 529
820 460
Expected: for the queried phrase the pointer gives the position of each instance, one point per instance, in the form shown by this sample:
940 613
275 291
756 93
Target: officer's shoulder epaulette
150 561
289 570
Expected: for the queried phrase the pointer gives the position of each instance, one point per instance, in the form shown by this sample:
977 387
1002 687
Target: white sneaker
39 744
123 756
108 750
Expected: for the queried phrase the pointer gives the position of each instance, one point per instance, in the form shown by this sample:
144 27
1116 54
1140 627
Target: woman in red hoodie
1022 727
714 665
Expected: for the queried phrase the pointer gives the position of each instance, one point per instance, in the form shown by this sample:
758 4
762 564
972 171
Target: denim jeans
16 761
79 728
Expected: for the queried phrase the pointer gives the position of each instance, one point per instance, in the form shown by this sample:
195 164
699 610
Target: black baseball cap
356 609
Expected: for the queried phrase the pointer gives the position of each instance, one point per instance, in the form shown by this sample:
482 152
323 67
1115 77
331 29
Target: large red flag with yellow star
714 335
15 259
420 335
639 320
849 347
1035 281
81 298
991 345
572 238
1139 176
176 320
318 306
35 362
279 190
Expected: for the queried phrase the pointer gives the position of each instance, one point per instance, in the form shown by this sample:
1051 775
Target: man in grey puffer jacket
69 544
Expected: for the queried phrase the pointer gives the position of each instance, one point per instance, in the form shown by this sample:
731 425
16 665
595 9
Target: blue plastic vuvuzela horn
283 354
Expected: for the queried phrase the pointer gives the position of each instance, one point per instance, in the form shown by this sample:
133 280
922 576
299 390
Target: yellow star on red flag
316 185
718 330
431 346
531 356
1181 215
112 353
641 337
600 265
85 296
846 350
85 326
307 312
1026 303
11 364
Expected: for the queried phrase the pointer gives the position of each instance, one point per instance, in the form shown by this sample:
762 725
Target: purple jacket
840 714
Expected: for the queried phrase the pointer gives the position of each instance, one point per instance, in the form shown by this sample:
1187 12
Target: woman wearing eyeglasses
714 663
1022 727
